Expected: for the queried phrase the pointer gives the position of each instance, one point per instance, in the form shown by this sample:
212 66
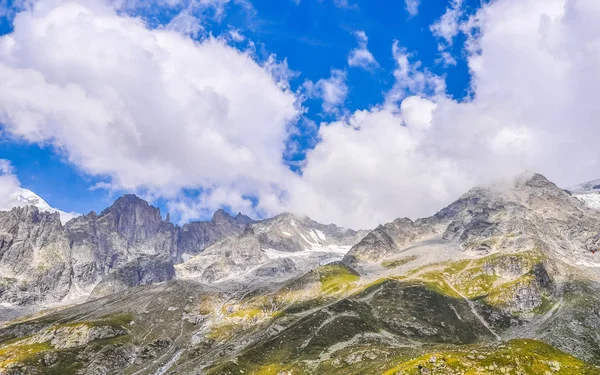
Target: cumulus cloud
447 26
411 78
534 81
446 29
332 91
146 108
361 56
412 6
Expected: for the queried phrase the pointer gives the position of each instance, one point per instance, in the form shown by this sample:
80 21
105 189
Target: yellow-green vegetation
495 278
436 281
525 357
337 278
15 353
223 331
474 283
397 262
251 313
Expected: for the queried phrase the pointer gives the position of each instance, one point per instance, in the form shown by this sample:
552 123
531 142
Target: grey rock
194 237
144 270
34 256
127 244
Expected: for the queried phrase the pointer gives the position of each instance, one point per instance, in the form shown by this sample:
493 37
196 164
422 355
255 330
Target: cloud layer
151 110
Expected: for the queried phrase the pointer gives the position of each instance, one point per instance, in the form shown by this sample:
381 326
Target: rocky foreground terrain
506 280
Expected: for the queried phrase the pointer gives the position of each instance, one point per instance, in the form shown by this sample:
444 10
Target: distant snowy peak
588 187
590 199
288 232
588 193
25 197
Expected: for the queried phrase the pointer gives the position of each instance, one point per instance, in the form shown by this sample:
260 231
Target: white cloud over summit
534 80
152 110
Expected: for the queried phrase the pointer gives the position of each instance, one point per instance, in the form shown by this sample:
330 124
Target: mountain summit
25 197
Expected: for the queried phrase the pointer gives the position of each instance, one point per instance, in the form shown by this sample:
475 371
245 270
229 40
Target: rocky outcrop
230 257
74 335
386 240
122 233
34 256
144 270
194 237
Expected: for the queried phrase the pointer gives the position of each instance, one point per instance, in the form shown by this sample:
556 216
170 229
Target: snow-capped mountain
587 187
588 193
26 197
280 247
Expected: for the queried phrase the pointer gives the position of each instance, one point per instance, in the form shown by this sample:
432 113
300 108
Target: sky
348 111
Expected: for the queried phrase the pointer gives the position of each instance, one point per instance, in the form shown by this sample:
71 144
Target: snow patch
308 241
321 235
591 199
293 223
332 253
314 236
25 197
286 233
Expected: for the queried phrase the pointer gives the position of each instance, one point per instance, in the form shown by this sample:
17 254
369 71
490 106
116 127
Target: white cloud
344 4
446 29
8 184
338 3
446 58
186 23
236 35
410 78
361 56
332 90
447 26
146 109
412 6
535 88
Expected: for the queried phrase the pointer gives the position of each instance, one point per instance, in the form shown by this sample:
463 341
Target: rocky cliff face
528 213
127 230
127 244
34 256
194 237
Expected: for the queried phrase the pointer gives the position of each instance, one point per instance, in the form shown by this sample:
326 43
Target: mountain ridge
504 280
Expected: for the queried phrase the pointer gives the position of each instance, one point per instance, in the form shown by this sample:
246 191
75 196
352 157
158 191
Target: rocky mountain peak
241 218
221 216
533 180
128 202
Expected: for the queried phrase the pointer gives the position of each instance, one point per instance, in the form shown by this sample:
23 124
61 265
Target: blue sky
480 131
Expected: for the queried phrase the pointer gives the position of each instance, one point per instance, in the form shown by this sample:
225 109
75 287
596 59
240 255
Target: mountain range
505 280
